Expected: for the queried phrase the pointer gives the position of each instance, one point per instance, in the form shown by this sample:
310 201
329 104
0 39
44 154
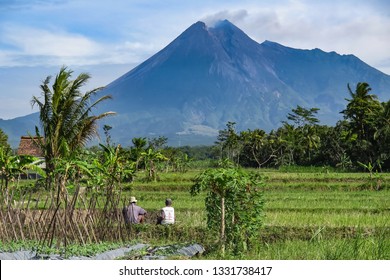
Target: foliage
258 146
109 169
139 146
12 166
67 122
177 160
65 116
374 179
151 157
234 205
228 141
106 129
157 143
363 112
363 136
302 116
4 140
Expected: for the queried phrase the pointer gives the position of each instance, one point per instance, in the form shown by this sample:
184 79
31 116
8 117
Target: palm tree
256 140
139 147
363 113
228 140
361 110
382 133
383 129
65 116
310 140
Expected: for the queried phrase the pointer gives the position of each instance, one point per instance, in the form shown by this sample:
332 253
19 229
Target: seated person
167 214
134 214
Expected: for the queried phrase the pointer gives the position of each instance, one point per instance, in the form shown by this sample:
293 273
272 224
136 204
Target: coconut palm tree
363 114
66 117
382 133
139 147
361 110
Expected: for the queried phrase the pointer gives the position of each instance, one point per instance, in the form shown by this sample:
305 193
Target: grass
330 249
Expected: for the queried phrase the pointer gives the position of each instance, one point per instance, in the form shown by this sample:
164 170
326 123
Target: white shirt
169 216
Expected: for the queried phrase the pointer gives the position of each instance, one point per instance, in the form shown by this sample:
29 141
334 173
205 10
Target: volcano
209 76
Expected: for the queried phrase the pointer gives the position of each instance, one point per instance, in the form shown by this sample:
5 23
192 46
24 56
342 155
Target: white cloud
334 26
52 44
32 47
233 16
130 32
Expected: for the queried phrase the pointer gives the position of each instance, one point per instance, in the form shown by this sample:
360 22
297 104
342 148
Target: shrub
234 205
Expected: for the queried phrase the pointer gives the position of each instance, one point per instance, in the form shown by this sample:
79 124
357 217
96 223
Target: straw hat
132 199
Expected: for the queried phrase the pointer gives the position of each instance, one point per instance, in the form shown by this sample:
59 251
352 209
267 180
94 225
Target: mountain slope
208 76
211 75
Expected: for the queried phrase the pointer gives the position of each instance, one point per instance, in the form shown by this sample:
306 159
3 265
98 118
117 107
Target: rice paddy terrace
309 214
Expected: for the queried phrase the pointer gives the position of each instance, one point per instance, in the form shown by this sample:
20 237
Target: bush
234 205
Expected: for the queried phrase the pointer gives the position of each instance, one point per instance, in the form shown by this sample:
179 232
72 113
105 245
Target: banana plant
111 169
12 166
150 158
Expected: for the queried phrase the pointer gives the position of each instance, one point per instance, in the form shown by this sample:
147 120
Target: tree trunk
222 239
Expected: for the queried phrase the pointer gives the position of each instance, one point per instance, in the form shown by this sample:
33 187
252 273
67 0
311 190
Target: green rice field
308 215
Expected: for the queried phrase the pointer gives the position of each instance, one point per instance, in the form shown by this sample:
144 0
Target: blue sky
109 38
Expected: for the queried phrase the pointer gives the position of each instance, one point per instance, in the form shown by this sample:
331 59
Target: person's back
133 213
167 215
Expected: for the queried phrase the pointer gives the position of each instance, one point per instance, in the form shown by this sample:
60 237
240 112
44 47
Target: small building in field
28 146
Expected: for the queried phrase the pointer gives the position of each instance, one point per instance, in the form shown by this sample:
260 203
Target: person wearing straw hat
133 213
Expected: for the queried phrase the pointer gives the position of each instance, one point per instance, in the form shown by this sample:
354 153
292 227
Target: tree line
361 140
